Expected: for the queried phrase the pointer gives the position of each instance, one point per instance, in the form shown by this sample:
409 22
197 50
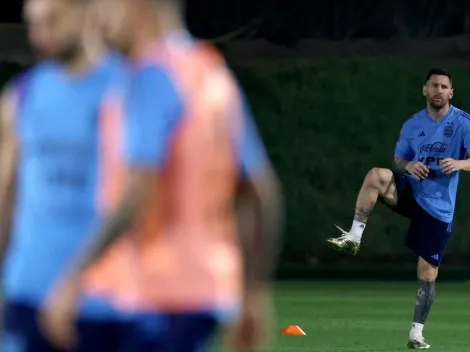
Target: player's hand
449 165
417 169
251 328
57 317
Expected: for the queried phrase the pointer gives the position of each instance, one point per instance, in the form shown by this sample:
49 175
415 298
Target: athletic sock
424 300
357 229
416 329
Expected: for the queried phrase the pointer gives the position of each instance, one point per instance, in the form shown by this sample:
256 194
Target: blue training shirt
422 139
151 122
55 211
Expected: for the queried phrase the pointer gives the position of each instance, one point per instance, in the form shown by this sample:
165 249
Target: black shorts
426 236
21 332
170 332
185 332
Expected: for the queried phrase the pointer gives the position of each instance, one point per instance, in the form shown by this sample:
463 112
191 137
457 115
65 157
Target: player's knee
379 177
427 272
428 276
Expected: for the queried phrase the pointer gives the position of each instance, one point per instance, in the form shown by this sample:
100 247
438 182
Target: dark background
287 21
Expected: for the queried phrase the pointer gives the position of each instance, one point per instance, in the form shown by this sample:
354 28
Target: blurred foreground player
48 167
433 147
170 254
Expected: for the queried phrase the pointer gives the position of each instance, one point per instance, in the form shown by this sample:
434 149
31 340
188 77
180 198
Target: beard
438 104
64 56
69 53
122 46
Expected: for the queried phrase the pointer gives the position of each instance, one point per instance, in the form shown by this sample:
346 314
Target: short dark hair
439 72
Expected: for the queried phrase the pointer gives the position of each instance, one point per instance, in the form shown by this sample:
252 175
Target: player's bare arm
60 308
260 220
400 164
261 196
449 165
8 160
136 189
416 169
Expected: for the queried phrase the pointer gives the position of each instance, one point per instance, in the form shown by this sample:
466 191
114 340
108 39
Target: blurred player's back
183 254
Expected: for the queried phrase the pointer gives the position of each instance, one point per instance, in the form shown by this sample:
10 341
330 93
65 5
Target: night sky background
288 21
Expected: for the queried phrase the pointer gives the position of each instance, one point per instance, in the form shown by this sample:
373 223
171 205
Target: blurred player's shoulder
191 65
191 51
211 51
22 78
19 79
17 87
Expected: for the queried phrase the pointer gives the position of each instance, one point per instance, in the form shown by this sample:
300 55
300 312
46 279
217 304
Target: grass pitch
367 316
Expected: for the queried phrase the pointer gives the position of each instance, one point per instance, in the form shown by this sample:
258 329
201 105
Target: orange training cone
293 330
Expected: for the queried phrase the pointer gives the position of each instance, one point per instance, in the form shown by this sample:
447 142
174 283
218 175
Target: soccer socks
416 330
424 300
357 229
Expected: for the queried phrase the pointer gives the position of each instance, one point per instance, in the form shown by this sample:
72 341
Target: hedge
325 124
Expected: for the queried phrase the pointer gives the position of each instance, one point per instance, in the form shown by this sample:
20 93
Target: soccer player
49 155
181 143
433 147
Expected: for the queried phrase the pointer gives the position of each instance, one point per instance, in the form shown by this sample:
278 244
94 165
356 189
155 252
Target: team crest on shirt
448 131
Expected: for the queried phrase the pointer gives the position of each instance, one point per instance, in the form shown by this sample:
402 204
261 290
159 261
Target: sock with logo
357 229
424 300
416 330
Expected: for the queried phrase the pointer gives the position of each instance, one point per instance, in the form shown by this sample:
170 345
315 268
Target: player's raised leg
379 182
427 274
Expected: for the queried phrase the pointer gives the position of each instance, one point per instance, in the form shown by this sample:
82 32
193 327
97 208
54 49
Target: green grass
363 317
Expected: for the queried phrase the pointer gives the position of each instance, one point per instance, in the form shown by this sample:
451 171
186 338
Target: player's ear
451 93
425 91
